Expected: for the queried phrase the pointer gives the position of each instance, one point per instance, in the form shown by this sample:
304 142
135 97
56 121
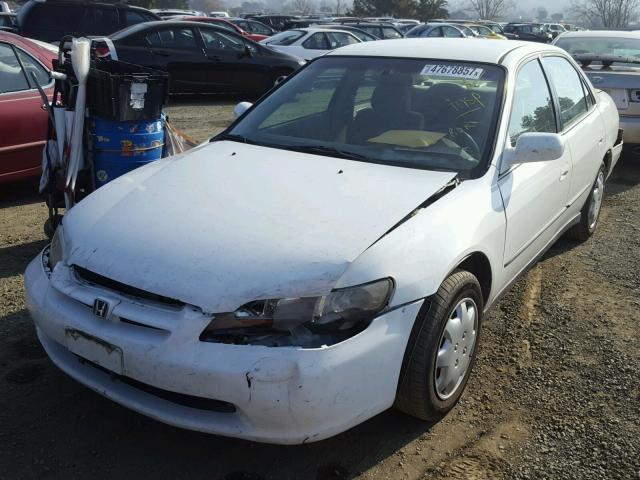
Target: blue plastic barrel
119 147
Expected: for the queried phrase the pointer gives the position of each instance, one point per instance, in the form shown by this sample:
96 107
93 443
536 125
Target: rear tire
590 212
442 349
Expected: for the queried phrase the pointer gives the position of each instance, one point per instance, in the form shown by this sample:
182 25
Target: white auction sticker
455 71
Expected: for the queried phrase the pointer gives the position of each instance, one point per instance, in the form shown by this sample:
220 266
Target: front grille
96 279
181 399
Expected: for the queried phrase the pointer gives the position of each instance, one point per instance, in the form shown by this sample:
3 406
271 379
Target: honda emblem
100 308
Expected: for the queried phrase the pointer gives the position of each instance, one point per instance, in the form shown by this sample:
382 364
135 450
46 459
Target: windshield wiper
327 151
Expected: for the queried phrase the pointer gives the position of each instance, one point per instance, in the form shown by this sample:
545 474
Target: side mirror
240 108
534 147
247 53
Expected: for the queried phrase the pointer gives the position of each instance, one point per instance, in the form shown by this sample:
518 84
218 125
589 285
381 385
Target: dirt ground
555 393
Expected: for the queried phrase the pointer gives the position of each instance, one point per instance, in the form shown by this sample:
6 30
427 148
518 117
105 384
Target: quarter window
532 109
12 77
568 86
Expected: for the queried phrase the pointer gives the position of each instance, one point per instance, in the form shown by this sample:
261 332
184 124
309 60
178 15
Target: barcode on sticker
456 71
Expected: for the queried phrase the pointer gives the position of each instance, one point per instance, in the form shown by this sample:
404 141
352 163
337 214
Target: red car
221 22
23 120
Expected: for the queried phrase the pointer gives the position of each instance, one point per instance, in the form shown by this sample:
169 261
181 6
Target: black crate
114 91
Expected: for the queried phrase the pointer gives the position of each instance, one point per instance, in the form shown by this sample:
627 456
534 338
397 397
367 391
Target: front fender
420 253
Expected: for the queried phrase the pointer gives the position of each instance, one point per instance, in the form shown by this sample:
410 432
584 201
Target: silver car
611 60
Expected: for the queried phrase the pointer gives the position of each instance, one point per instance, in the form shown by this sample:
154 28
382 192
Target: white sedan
334 251
309 43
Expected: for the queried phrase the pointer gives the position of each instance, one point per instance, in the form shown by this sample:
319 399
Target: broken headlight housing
304 321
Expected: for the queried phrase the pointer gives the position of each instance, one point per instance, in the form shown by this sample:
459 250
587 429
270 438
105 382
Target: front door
23 122
581 125
534 194
178 51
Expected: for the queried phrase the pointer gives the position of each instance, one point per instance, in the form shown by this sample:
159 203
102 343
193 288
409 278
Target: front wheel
441 350
590 212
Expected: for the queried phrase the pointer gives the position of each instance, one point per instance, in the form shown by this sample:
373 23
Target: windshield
426 114
284 38
600 46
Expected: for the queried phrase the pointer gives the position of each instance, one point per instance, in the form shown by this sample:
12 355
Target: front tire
442 349
590 212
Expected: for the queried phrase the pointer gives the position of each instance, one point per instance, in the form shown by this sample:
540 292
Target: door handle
563 175
162 53
600 142
214 59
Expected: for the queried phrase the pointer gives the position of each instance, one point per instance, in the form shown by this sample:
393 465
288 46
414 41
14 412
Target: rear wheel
591 210
441 350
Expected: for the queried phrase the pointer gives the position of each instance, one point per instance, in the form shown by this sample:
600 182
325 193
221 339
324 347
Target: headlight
328 319
56 250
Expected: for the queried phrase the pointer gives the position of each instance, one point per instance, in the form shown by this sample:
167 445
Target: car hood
229 222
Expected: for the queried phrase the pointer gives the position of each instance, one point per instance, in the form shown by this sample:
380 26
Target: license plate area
620 97
95 350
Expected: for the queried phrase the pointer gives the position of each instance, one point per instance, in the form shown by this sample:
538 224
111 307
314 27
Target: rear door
23 122
534 194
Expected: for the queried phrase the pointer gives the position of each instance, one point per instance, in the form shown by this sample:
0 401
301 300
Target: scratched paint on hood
229 223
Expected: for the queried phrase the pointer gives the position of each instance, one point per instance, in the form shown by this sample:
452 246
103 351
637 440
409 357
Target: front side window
219 41
436 32
452 32
340 39
532 109
101 21
317 41
34 69
568 86
12 78
425 114
389 32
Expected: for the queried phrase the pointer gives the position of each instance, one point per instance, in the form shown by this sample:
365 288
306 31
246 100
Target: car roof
481 50
45 53
139 27
602 33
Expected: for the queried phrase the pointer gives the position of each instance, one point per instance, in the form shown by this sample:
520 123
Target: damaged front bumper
147 357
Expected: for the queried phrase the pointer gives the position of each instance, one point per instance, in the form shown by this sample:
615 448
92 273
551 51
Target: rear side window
33 68
101 21
12 77
532 109
568 86
436 32
51 22
178 38
132 17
